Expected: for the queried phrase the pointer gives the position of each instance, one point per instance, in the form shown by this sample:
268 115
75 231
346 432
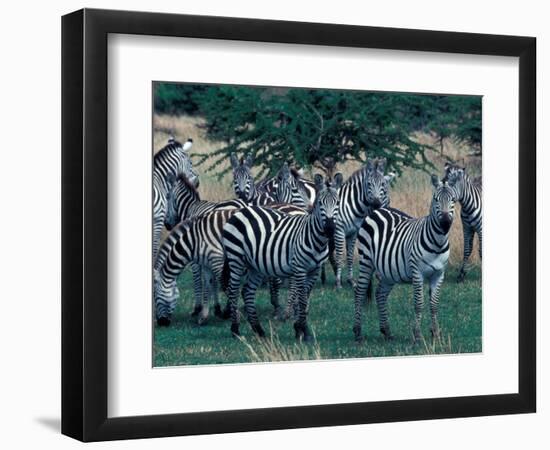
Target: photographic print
313 224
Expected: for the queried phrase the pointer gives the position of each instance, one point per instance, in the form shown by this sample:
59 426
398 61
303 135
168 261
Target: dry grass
271 349
410 193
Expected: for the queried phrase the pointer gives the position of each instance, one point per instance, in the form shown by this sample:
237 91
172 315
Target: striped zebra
184 202
469 193
196 242
366 190
246 189
404 250
270 185
168 163
262 242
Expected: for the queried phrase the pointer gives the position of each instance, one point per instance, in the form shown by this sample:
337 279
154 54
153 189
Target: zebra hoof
235 332
308 338
202 321
226 314
461 277
196 310
163 321
436 334
218 311
258 330
387 334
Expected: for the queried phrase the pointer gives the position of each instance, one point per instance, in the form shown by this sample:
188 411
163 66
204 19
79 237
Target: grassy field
331 319
331 312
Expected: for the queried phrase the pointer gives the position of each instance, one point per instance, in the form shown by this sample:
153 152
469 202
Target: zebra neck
161 178
436 234
354 199
313 230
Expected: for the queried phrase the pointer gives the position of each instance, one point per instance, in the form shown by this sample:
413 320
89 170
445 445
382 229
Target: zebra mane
172 145
189 186
295 173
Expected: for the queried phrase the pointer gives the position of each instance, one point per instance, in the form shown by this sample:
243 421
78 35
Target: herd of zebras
286 227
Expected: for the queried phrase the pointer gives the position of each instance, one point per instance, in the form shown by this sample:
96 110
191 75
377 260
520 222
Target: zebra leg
323 275
310 281
339 241
468 243
479 234
365 272
382 292
435 288
350 250
292 303
300 325
418 287
236 272
249 293
197 288
274 286
206 293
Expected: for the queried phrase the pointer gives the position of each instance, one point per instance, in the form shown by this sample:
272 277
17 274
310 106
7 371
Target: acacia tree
307 126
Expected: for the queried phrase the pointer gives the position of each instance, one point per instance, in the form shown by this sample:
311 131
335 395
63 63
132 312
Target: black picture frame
84 224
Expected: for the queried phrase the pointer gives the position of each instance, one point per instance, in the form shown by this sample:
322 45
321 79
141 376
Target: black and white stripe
469 194
168 163
294 190
366 190
184 202
196 242
404 250
262 242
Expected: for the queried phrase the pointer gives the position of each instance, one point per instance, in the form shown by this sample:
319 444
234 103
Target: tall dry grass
411 192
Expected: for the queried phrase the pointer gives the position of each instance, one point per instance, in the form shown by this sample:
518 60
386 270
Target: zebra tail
226 274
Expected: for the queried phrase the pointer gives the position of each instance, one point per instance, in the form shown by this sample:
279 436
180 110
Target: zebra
184 202
168 163
404 250
196 241
469 193
366 190
261 241
246 189
270 185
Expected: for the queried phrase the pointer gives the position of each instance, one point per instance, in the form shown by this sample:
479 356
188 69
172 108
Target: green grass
331 319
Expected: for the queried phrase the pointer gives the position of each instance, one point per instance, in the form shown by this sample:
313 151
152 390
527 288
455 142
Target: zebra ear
370 165
234 161
249 161
381 165
319 182
390 176
338 180
284 173
436 182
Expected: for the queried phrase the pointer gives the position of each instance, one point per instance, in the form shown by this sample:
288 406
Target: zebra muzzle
445 222
330 227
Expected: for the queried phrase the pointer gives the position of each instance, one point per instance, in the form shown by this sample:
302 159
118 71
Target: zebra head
327 204
185 166
290 189
378 184
456 175
182 193
243 181
443 203
165 297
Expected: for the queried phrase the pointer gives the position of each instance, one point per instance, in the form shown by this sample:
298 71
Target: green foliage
305 126
176 98
331 319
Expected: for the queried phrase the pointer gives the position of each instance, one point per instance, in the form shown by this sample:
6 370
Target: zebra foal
405 250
